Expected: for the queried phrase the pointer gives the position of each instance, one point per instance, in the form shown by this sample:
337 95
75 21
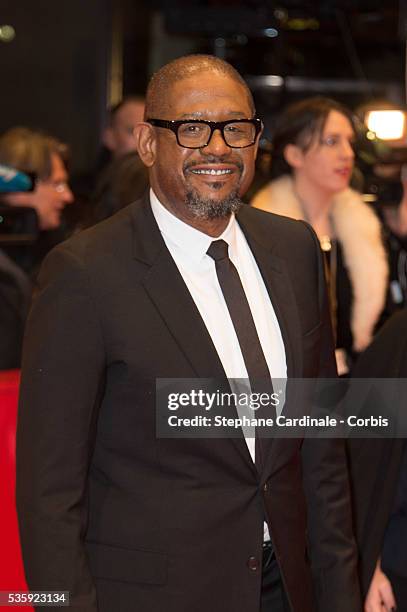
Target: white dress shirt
188 247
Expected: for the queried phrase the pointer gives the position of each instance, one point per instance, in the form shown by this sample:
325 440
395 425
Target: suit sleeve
62 383
332 548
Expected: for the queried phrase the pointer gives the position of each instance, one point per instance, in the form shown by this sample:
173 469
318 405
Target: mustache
213 159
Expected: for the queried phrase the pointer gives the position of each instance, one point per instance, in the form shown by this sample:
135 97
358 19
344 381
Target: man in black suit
128 521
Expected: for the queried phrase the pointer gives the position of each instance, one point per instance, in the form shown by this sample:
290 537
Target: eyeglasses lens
196 135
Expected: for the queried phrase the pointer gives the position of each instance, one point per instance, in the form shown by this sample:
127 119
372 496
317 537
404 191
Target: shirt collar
186 238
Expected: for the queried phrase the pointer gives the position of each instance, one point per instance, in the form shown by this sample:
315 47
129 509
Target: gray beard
212 209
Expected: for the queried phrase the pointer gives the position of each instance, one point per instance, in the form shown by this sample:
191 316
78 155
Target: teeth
212 172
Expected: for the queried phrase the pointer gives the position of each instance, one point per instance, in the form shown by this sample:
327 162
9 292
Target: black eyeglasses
197 133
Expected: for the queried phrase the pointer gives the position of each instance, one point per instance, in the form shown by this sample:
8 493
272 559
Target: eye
232 128
330 141
235 128
192 128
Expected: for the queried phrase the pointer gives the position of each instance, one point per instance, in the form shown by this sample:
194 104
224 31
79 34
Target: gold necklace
328 246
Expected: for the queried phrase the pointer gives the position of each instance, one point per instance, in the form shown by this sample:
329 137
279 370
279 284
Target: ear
294 156
108 139
146 143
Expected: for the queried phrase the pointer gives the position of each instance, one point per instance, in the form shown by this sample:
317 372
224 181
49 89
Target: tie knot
218 250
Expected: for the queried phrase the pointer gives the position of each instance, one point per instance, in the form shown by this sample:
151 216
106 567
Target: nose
67 196
347 150
216 145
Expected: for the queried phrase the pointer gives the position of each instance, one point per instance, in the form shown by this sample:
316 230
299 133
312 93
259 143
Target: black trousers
273 597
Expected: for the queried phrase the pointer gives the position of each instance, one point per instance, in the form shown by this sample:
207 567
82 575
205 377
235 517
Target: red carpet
11 567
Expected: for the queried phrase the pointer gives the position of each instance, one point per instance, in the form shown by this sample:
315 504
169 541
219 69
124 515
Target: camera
18 226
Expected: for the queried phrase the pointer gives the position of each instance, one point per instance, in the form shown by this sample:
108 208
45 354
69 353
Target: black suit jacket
127 521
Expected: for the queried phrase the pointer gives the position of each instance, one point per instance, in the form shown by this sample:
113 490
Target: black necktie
242 319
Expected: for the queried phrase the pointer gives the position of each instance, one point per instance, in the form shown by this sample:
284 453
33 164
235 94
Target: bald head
182 68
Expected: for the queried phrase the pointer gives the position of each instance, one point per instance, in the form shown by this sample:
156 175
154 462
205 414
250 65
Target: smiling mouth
212 172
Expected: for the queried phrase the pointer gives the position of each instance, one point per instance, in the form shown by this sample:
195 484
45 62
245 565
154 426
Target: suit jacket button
253 564
265 487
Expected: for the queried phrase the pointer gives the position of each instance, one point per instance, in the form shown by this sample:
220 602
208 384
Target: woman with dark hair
312 163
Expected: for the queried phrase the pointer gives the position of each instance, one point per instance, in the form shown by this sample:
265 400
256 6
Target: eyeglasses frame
174 125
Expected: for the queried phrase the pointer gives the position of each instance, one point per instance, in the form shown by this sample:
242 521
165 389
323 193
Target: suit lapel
168 291
170 295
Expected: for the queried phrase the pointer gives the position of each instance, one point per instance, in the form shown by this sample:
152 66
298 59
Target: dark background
70 59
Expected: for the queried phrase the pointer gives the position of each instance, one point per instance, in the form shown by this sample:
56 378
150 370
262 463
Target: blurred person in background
35 153
118 136
312 164
382 160
97 192
123 181
394 218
